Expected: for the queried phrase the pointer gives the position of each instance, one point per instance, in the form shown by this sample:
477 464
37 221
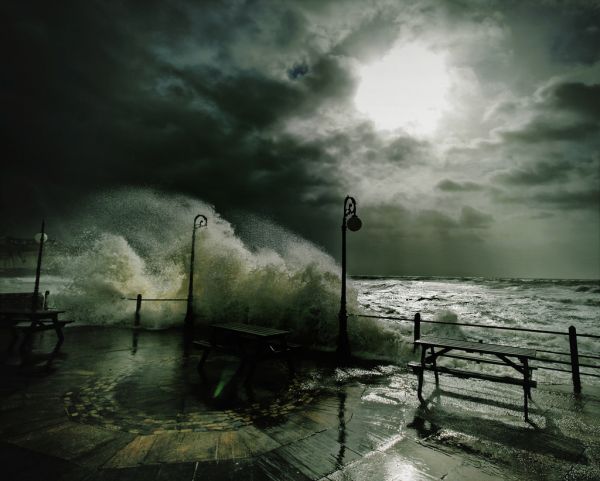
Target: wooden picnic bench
250 342
515 357
24 314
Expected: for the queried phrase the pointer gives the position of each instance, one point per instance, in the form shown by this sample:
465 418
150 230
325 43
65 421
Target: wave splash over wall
127 242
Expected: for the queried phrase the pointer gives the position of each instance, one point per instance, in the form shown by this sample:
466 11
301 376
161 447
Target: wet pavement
128 405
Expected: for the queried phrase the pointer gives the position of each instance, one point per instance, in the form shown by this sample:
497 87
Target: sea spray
450 331
126 242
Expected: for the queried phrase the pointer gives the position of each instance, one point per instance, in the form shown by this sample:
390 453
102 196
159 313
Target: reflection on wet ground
121 404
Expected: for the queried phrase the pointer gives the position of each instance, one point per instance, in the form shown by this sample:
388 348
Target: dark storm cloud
403 234
561 141
539 173
566 111
375 34
543 131
249 106
567 200
475 219
106 110
562 199
578 40
410 223
448 185
578 97
405 149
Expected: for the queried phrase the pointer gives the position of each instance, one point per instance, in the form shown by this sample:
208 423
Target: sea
381 316
128 242
536 304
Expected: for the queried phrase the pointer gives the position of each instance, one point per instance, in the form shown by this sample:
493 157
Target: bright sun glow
405 89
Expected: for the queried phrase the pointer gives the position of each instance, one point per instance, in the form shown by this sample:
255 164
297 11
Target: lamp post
349 221
199 221
41 238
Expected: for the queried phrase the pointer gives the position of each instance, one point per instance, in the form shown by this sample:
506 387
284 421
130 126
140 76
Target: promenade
119 404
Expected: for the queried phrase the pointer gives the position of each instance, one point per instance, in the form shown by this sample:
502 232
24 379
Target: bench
251 343
514 357
23 300
27 313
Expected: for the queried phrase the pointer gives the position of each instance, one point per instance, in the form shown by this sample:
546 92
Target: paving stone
184 447
67 440
317 455
108 413
427 460
133 454
380 466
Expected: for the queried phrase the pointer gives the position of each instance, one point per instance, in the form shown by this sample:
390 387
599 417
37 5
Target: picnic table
250 342
15 316
514 357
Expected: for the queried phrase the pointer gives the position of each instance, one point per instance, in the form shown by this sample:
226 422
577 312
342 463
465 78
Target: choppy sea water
542 304
128 242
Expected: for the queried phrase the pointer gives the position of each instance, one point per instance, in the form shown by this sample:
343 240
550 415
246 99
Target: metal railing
138 305
572 334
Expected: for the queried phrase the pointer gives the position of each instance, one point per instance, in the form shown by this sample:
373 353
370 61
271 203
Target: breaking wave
127 242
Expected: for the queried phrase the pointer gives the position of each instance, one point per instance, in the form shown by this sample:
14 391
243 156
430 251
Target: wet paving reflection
120 402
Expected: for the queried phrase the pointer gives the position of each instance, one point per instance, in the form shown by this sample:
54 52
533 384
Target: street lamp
41 238
349 221
199 221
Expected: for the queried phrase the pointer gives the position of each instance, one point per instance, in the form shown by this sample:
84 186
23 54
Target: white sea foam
126 242
543 304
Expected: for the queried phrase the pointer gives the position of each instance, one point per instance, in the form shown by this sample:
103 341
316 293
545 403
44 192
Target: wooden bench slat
484 360
21 300
200 344
250 329
471 374
477 347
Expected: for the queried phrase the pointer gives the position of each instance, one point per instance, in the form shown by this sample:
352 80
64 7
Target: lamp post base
343 347
343 354
188 320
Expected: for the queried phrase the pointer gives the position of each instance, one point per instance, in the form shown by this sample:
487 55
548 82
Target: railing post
574 360
138 308
417 329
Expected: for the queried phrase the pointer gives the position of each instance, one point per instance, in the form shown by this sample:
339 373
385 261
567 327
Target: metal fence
573 354
138 305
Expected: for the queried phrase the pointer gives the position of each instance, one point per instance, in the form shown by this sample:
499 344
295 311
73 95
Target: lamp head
200 221
38 237
354 223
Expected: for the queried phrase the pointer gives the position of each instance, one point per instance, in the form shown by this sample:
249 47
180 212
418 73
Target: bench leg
289 363
15 342
26 344
251 363
61 338
205 353
421 371
288 357
437 377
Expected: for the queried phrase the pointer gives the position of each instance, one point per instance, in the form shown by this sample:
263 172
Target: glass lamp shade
38 237
354 223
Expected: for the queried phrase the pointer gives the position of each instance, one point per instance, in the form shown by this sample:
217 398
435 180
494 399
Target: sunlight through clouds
407 89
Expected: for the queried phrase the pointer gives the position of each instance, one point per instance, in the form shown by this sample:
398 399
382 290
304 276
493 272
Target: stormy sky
467 130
